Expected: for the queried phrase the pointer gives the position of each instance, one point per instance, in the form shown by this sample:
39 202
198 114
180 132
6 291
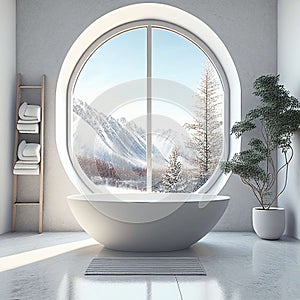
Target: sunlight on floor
239 266
21 259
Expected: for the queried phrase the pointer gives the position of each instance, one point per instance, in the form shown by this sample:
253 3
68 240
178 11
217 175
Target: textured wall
46 30
289 69
7 100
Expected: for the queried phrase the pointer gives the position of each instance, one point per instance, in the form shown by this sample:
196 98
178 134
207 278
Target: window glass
147 113
186 112
109 114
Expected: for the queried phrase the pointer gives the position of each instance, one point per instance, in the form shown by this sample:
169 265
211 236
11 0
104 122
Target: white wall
7 100
289 70
46 31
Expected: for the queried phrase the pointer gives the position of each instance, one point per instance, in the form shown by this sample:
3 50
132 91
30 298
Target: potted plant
274 121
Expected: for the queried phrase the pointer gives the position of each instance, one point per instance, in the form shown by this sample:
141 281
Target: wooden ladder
21 87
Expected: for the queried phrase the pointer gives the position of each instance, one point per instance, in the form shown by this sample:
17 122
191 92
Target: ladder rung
30 86
26 203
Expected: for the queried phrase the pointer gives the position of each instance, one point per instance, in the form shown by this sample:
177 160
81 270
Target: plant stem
286 165
255 191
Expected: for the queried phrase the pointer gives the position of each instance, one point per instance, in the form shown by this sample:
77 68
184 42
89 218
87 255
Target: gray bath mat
145 266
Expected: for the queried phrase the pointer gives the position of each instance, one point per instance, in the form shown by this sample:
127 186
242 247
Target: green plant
276 119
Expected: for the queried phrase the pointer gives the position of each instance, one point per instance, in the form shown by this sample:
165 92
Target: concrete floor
238 265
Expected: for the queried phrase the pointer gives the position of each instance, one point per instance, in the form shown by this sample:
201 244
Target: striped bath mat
145 266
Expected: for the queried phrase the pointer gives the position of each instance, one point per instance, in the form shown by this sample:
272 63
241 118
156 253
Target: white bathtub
147 221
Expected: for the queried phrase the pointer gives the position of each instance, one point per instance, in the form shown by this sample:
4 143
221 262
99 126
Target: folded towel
30 112
28 131
26 172
22 109
20 121
31 128
28 162
19 165
29 151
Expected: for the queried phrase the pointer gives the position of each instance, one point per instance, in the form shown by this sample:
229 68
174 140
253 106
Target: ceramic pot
268 223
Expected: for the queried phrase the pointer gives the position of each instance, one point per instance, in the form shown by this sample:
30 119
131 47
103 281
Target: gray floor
238 266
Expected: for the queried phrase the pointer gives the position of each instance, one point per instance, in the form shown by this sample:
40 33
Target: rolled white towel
31 158
30 112
30 128
21 147
29 151
22 109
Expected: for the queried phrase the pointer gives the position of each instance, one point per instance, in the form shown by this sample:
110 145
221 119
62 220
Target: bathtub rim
158 197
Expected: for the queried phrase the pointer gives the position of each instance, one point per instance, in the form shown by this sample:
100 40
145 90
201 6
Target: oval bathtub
147 222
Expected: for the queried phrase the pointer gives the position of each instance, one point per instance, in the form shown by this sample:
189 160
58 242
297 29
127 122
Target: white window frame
163 16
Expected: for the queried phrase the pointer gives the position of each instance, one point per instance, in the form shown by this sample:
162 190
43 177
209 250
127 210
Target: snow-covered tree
172 179
206 134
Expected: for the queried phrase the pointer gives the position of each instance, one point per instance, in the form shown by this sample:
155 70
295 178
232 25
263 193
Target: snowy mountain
112 152
117 141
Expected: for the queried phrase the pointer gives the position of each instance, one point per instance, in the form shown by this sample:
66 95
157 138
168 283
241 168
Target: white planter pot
268 223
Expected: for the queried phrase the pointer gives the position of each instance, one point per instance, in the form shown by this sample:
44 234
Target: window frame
214 184
149 24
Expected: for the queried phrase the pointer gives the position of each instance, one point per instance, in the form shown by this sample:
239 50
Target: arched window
147 110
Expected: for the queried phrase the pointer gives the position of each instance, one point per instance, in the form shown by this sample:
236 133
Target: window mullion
149 109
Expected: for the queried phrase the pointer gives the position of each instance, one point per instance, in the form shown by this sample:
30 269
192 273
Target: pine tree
206 135
171 181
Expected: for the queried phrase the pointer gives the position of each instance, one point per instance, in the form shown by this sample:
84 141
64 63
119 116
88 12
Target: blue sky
176 58
123 58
